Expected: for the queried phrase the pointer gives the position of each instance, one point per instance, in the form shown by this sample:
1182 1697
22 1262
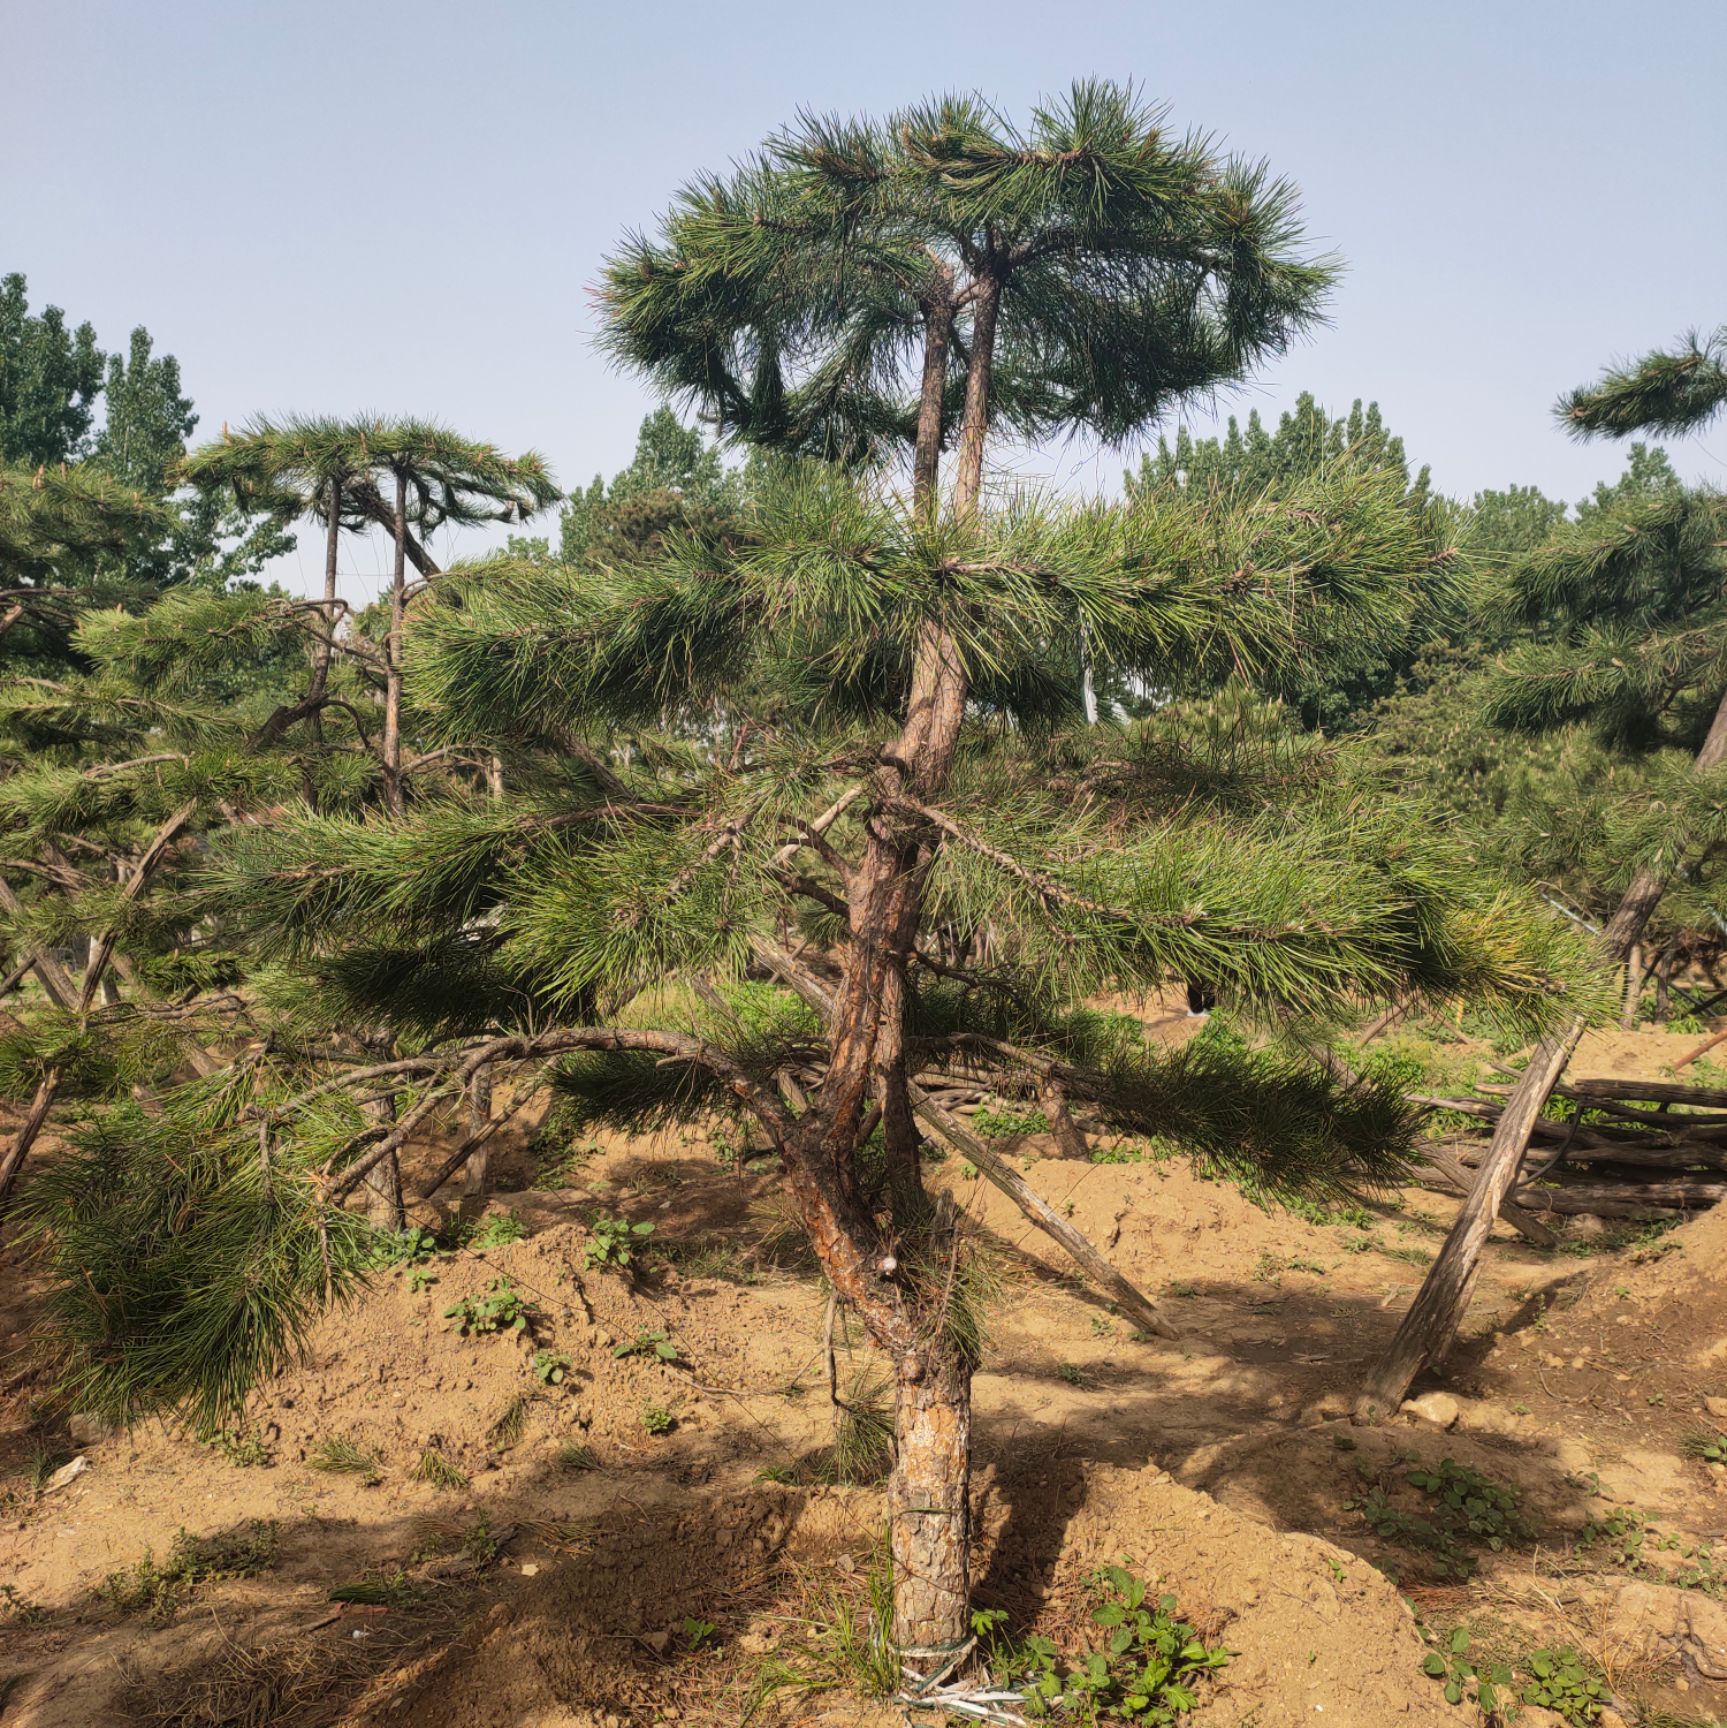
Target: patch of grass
1409 1254
435 1468
844 1627
573 1456
502 1308
342 1457
709 1257
157 1590
511 1422
41 1464
389 1590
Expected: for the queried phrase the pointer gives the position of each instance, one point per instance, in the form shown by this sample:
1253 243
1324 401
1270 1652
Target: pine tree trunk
929 1502
12 1162
382 1184
325 649
1635 973
479 1114
392 741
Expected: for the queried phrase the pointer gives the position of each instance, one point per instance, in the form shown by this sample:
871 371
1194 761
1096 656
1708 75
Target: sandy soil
530 1594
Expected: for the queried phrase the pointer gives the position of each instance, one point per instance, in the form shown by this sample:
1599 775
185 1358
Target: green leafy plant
1007 1123
657 1419
1464 1510
1146 1672
1706 1445
614 1243
249 1451
1639 1545
18 1608
392 1249
1483 1684
698 1634
498 1231
502 1308
337 1456
653 1343
552 1367
1560 1682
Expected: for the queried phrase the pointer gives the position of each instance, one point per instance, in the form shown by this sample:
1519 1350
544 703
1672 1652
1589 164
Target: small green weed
498 1231
1633 1542
501 1309
1075 1375
1560 1682
551 1367
1711 1448
19 1609
1486 1685
392 1249
1146 1673
648 1343
574 1457
1465 1510
248 1451
158 1590
657 1419
614 1244
1008 1124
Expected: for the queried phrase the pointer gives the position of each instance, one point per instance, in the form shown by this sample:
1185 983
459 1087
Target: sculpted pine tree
410 477
795 822
171 722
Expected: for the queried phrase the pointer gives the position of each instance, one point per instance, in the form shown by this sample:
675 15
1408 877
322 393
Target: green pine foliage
1674 390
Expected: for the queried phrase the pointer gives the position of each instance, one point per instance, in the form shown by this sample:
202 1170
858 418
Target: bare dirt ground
574 1569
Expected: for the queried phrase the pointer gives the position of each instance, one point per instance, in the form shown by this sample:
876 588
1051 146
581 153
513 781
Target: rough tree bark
1431 1324
391 748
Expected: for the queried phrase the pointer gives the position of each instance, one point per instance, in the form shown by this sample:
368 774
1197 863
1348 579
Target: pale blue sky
334 207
